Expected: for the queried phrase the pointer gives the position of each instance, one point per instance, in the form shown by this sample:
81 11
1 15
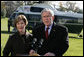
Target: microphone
41 42
34 42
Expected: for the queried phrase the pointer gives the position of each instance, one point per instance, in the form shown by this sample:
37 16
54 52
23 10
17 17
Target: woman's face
21 26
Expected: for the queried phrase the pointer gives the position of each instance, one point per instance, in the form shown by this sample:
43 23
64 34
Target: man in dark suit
55 37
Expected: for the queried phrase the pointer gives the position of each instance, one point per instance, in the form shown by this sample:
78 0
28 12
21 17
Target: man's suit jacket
57 41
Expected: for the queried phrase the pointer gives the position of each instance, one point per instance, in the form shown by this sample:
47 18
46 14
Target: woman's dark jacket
18 44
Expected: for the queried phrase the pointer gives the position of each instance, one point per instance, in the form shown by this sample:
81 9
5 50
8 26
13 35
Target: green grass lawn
75 47
75 44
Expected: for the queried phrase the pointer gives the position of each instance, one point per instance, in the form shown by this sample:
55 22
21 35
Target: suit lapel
43 32
52 32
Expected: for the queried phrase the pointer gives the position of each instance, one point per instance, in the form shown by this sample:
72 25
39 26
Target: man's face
47 18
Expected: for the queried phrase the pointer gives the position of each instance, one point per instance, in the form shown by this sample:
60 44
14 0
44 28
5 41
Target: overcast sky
78 3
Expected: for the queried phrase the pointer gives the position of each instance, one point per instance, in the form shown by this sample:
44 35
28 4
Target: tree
8 7
62 8
78 10
69 6
3 9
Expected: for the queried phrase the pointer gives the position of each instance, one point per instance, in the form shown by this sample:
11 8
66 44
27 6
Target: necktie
46 32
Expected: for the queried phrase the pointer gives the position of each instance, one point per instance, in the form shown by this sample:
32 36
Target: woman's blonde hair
20 17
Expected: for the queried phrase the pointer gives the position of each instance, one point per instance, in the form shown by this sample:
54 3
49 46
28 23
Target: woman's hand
49 54
31 52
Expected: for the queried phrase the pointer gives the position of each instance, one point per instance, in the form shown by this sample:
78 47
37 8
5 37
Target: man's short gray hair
47 9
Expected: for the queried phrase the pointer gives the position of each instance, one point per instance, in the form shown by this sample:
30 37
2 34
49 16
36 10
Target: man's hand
49 54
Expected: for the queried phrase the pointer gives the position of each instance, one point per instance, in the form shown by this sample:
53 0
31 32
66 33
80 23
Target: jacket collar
26 33
53 29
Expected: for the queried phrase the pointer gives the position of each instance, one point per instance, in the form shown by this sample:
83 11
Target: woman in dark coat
20 42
